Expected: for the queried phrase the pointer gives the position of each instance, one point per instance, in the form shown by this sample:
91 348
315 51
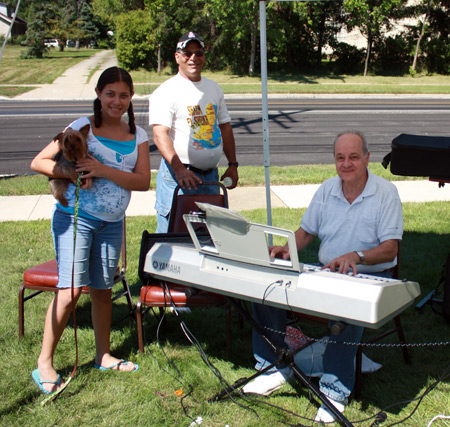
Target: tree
423 25
319 28
108 10
372 17
429 39
65 23
233 46
170 19
297 33
135 43
163 15
38 28
88 26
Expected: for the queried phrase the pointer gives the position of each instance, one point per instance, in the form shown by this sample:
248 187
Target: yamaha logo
170 268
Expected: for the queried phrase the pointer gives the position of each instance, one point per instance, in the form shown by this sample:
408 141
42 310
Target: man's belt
197 170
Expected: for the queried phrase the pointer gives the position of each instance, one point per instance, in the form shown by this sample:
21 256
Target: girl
117 164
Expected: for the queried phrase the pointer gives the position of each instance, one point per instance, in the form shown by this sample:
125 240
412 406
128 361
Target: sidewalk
74 84
28 208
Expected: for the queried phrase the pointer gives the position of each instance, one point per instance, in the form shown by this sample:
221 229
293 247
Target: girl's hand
90 167
86 183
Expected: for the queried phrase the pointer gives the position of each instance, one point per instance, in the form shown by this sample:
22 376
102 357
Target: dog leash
55 394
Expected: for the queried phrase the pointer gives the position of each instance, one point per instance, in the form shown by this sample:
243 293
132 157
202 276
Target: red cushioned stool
44 277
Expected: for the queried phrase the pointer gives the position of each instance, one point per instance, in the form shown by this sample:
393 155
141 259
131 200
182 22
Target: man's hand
187 178
279 252
344 263
232 173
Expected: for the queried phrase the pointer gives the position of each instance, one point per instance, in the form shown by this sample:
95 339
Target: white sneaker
324 415
266 384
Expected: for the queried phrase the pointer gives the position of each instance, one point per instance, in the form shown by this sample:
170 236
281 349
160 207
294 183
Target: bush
348 59
18 40
391 56
437 58
135 46
34 51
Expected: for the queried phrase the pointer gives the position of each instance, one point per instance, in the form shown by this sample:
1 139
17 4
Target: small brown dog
73 149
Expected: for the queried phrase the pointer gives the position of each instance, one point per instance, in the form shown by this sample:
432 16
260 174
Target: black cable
193 340
419 399
379 417
223 382
179 377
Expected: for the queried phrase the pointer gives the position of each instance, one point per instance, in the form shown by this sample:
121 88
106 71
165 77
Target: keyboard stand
429 298
284 356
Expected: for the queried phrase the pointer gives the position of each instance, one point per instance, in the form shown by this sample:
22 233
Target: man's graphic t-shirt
193 111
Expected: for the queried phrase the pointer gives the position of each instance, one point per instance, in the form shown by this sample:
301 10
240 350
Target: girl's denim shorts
97 250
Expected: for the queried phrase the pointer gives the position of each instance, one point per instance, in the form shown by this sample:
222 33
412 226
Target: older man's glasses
189 53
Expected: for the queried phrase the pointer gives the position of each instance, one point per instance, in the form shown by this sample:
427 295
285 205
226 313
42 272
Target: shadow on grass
393 386
212 338
68 56
295 78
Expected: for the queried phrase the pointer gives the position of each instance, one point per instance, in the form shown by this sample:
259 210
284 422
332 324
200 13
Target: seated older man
358 219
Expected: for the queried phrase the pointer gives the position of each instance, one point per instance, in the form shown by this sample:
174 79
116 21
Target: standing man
191 128
358 219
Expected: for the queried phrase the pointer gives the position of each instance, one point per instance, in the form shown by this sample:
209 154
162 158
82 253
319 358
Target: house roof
8 20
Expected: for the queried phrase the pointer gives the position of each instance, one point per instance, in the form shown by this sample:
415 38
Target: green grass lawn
147 81
17 73
248 176
171 363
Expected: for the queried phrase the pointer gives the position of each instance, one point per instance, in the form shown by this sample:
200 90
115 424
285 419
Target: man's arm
302 239
384 252
184 177
229 148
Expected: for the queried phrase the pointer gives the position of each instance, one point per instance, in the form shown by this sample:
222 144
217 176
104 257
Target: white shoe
266 384
324 415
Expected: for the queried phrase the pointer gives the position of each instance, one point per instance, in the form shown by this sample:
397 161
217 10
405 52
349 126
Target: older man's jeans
339 363
273 321
338 360
165 187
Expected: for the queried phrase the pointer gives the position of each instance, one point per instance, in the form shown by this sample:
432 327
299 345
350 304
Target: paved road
301 129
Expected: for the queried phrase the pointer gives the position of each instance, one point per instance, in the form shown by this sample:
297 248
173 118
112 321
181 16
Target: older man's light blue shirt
374 217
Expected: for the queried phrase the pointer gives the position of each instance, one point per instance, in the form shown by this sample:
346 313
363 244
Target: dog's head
73 143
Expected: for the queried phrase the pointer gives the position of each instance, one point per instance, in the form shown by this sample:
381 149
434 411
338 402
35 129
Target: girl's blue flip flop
111 368
37 379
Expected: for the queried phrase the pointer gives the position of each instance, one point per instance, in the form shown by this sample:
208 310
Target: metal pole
9 30
265 113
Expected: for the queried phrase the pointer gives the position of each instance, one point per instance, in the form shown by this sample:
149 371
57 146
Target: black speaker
420 155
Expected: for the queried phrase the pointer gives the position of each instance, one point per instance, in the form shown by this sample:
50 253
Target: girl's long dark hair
114 75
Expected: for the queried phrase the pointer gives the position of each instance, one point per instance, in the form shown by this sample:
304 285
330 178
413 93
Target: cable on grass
378 418
178 377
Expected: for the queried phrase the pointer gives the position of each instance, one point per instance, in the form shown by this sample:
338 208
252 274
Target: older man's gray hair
353 132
